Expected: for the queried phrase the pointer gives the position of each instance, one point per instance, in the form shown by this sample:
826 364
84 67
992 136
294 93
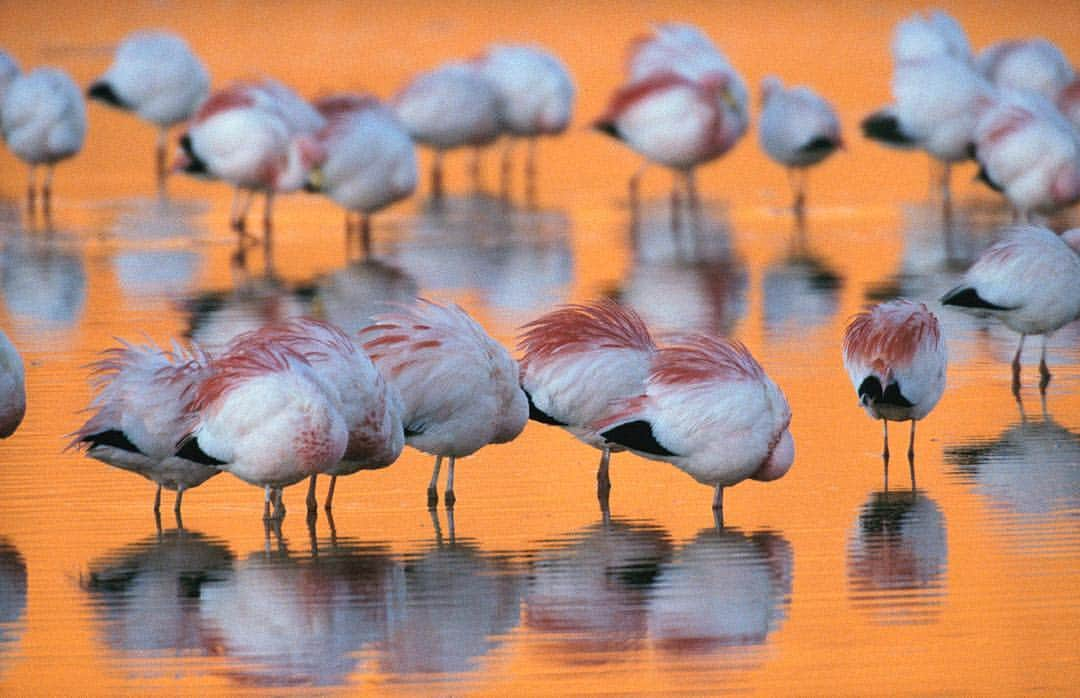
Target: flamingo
708 409
259 137
139 416
156 76
536 93
44 122
12 387
936 34
459 386
370 159
1068 102
1035 65
370 405
264 416
895 355
798 129
1029 151
452 106
1030 281
682 105
579 358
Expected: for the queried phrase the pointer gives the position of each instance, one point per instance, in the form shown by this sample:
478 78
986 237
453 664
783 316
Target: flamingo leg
161 156
31 188
911 455
329 503
365 234
1016 367
437 176
312 502
279 504
238 211
506 168
1044 370
179 501
46 190
476 168
433 486
449 497
266 502
530 172
718 506
946 187
157 500
603 482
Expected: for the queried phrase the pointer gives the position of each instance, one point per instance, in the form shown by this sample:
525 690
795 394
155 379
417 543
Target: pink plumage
458 385
894 354
577 359
709 409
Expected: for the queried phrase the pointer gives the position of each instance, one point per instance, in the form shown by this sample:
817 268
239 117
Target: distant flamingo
156 76
139 416
263 416
708 409
1035 65
936 34
536 94
1030 281
9 70
370 406
12 387
798 129
370 160
459 386
44 122
450 107
257 136
579 358
894 354
1030 152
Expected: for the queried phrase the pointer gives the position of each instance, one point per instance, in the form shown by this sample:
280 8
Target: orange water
820 584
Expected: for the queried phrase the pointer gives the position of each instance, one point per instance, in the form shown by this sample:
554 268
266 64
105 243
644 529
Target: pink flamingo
450 107
579 358
264 416
259 137
370 160
798 129
459 386
12 387
139 416
156 76
894 354
708 409
1030 281
370 406
43 120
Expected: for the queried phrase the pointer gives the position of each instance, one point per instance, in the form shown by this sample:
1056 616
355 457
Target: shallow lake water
831 580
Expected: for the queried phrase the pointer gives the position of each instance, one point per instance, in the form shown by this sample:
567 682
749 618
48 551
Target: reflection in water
459 605
12 599
1030 473
724 589
146 595
43 282
685 278
897 556
801 292
589 590
216 317
287 620
350 296
518 260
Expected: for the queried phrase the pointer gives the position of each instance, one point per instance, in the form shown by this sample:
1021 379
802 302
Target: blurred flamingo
12 387
1034 65
894 354
1030 281
9 70
576 360
459 386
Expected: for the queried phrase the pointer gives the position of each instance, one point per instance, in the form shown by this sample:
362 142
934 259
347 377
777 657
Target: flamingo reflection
350 296
12 598
897 557
802 291
43 280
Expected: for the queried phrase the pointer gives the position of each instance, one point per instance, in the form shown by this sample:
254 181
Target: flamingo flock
296 399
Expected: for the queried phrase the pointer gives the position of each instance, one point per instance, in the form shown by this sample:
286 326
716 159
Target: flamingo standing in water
43 119
156 76
894 354
452 106
1030 281
259 137
798 129
12 387
537 98
576 360
139 415
264 416
370 406
708 409
459 386
370 160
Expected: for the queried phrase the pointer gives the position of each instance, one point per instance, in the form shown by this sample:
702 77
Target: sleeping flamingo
139 417
894 354
1030 281
156 76
708 409
459 386
12 387
579 358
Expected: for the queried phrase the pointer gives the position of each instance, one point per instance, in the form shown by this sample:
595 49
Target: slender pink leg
433 486
312 502
1016 367
329 503
1044 370
449 497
